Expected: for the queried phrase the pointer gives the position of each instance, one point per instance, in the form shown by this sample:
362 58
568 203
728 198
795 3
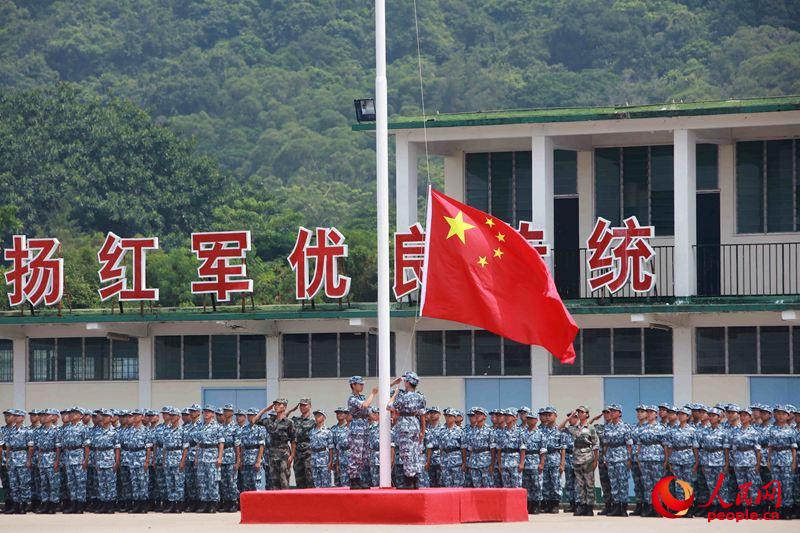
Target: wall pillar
542 176
685 213
682 355
273 366
454 176
540 377
404 351
19 351
146 372
405 181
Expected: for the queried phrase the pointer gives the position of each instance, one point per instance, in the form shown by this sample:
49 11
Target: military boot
623 509
588 510
535 507
637 511
78 507
42 508
578 510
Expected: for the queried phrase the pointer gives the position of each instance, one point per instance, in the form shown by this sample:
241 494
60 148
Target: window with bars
619 351
210 357
470 353
747 350
83 359
768 186
331 355
6 360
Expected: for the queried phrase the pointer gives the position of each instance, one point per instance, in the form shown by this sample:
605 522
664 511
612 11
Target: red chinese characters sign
619 255
324 254
222 267
111 257
409 252
36 274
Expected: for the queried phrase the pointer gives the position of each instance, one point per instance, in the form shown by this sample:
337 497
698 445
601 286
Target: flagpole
382 159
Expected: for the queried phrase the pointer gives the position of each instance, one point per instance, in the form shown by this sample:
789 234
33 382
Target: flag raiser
480 271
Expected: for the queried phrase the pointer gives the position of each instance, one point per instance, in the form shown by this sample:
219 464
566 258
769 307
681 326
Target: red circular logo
666 504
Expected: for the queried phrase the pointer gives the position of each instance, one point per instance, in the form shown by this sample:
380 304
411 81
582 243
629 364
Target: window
767 190
621 351
636 181
6 360
332 355
83 359
210 357
565 173
706 161
470 353
747 350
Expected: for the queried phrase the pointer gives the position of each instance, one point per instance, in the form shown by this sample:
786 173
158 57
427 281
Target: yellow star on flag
482 261
458 227
501 237
498 253
489 222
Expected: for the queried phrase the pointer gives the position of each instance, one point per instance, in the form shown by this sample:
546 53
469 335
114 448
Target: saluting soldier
584 460
410 407
105 448
320 440
303 425
282 443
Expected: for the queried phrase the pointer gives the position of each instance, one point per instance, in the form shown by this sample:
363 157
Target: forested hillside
163 116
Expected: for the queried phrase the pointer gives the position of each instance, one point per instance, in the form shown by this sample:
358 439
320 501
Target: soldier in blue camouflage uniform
229 490
636 469
532 472
618 444
92 490
651 454
497 429
358 433
763 424
374 447
123 475
252 443
410 407
158 486
208 460
19 457
398 479
10 506
136 455
191 490
341 444
174 447
478 444
450 443
511 453
554 462
782 461
35 427
321 445
682 452
433 464
74 455
745 454
46 457
714 447
105 448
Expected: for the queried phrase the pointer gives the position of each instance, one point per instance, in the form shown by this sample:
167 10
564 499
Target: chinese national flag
480 271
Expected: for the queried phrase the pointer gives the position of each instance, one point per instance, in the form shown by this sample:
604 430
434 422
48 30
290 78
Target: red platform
383 506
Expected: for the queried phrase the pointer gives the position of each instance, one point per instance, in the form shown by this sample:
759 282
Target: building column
273 366
586 218
404 351
540 377
405 181
19 351
685 213
682 355
454 176
542 176
145 372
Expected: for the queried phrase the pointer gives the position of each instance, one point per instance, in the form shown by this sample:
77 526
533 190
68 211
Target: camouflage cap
185 411
615 407
715 411
135 412
548 409
341 409
480 411
745 410
732 407
219 411
641 407
685 411
411 377
582 408
532 414
374 409
780 407
228 407
651 408
354 380
252 411
194 407
320 412
209 407
284 401
432 409
305 401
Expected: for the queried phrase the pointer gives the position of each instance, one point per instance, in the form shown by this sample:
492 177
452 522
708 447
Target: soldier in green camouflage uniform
585 455
282 447
303 425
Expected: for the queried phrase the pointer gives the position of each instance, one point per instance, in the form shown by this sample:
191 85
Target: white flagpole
382 157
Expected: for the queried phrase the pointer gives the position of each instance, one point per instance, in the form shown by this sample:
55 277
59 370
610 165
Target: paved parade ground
561 523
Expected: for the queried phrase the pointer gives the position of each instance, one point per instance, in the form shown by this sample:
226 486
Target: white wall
89 394
710 389
183 393
568 392
6 395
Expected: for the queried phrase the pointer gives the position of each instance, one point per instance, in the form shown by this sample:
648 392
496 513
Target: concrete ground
561 523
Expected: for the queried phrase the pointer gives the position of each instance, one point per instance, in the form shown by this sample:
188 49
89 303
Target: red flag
482 272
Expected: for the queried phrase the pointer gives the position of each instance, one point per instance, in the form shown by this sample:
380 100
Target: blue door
771 390
494 393
630 392
240 398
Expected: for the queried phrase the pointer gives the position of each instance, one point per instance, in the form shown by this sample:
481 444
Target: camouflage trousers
152 484
785 475
584 483
435 475
208 482
249 477
49 484
303 476
569 479
91 483
551 483
35 492
605 481
375 475
531 481
64 492
161 482
76 483
511 478
138 479
358 455
124 484
227 483
278 470
174 483
638 483
19 480
397 475
481 478
410 450
748 474
4 481
618 476
452 476
190 480
711 475
682 472
702 492
341 478
321 476
106 480
652 472
423 478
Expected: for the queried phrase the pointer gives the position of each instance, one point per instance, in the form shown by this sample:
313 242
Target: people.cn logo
666 504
